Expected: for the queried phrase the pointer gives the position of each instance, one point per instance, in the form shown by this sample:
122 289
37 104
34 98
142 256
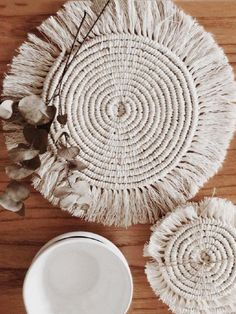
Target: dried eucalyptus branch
36 117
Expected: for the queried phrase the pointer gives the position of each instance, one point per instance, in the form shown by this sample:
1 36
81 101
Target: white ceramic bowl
78 273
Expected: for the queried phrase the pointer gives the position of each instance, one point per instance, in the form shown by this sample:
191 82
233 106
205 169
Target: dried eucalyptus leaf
16 172
85 200
60 134
45 127
48 116
73 178
62 119
62 191
50 113
32 109
41 142
37 138
32 164
68 153
17 192
76 165
68 201
82 188
9 204
20 154
85 207
30 133
6 109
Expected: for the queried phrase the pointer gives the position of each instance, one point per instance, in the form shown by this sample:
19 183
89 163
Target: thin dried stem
92 27
57 92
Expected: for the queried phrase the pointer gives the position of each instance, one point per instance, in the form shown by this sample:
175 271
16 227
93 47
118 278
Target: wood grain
21 238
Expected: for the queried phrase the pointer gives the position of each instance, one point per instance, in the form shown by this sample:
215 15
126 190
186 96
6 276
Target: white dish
89 235
78 273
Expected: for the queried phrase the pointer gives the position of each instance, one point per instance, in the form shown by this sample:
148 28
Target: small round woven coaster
149 103
194 258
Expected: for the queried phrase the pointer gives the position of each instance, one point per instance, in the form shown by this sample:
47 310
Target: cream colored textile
194 258
149 99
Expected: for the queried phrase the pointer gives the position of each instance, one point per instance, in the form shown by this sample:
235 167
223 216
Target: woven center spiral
199 261
132 109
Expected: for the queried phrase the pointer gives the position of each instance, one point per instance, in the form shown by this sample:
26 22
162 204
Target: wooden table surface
21 238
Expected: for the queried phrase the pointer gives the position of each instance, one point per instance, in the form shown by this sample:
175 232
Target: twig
92 27
57 93
68 63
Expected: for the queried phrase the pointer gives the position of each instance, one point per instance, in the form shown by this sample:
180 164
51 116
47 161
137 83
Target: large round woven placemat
194 252
149 102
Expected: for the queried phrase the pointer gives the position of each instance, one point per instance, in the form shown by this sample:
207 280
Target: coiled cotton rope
194 258
149 102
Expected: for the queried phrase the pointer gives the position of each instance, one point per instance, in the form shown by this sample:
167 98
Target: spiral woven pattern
195 258
150 103
132 109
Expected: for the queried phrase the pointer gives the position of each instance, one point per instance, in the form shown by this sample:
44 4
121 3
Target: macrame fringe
164 23
220 210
